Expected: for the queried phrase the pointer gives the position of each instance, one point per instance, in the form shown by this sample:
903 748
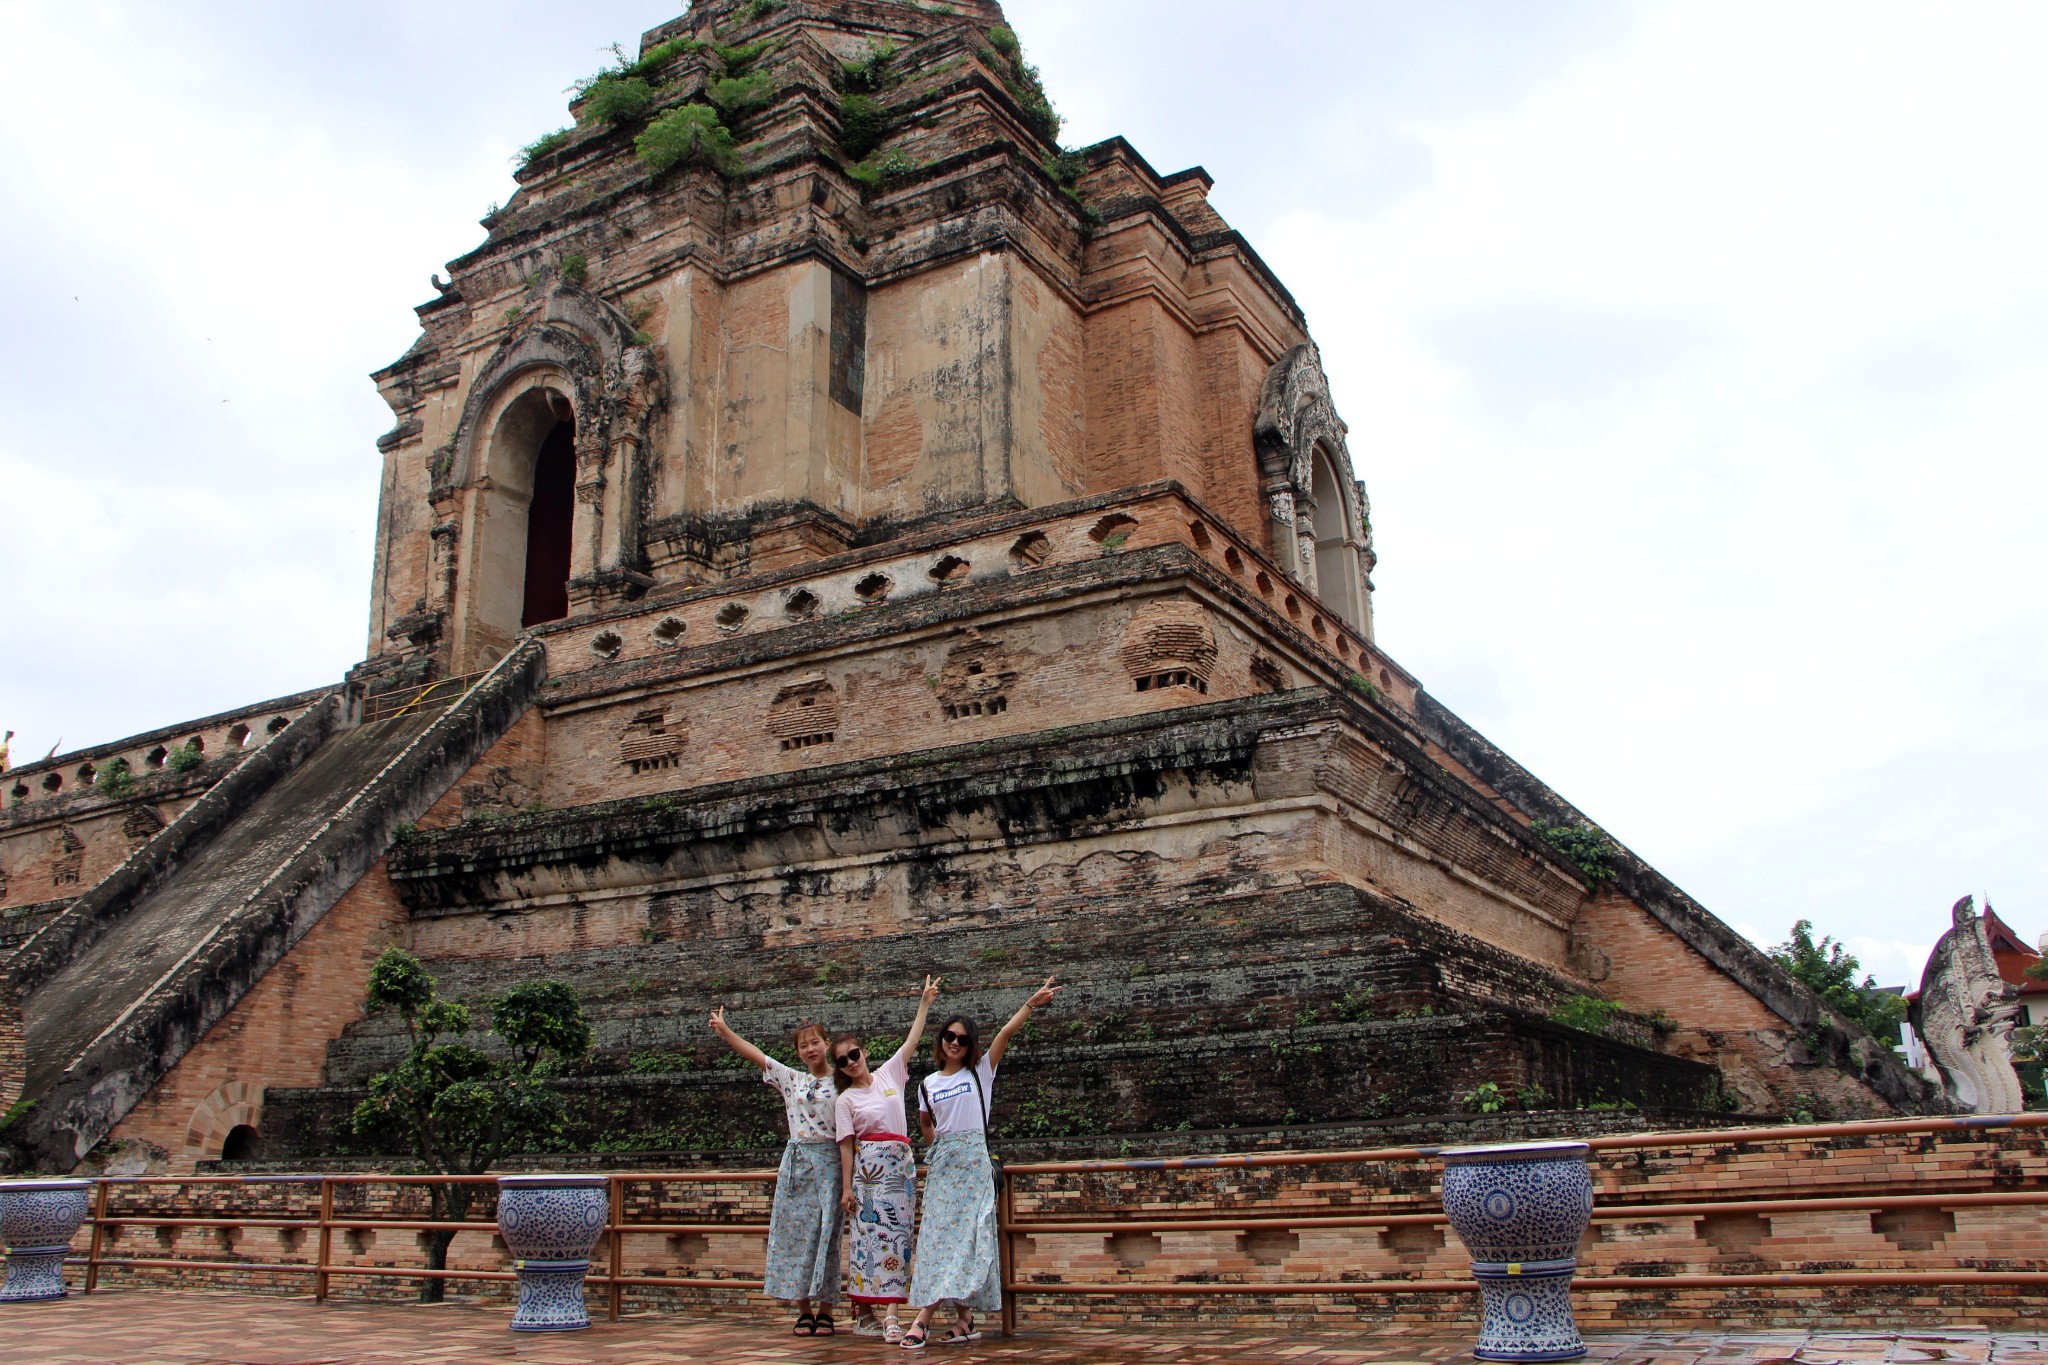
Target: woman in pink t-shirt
878 1174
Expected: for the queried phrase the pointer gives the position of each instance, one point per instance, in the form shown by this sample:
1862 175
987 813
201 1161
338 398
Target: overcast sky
1692 351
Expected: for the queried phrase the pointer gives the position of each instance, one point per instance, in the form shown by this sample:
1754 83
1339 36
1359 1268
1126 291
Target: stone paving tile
142 1328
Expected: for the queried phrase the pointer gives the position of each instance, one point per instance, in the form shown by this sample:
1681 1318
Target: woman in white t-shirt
877 1173
803 1226
958 1260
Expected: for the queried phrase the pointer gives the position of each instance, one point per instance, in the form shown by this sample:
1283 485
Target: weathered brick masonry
904 547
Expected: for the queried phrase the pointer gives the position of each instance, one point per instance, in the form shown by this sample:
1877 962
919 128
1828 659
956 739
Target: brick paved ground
139 1328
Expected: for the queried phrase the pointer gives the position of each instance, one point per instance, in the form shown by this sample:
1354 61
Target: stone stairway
110 994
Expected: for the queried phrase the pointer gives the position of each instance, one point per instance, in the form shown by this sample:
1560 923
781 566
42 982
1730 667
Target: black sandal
806 1326
823 1326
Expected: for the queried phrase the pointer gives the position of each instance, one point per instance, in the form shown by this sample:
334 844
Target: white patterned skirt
803 1227
884 1221
958 1256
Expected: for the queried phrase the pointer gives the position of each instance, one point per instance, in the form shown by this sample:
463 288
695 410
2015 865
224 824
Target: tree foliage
691 132
456 1108
1829 970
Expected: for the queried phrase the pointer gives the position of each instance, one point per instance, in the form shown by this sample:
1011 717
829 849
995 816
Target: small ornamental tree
456 1108
1829 970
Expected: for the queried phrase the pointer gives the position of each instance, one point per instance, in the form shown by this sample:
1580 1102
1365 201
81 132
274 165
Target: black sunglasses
847 1058
956 1039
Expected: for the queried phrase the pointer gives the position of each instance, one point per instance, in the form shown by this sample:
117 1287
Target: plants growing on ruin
761 9
738 96
657 58
689 133
115 781
1582 845
1829 970
457 1109
1587 1013
874 72
616 99
862 126
574 269
547 144
1363 686
184 758
1004 55
880 168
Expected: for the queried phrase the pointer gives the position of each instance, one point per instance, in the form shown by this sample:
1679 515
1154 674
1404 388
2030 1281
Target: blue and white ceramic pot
37 1221
1520 1209
550 1223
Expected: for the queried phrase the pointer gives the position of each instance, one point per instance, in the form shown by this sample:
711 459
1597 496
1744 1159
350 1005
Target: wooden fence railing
608 1273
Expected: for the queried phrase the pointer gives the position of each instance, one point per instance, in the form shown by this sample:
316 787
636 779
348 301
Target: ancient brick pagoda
831 534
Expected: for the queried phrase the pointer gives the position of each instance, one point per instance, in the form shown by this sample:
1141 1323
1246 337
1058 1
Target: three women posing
874 1178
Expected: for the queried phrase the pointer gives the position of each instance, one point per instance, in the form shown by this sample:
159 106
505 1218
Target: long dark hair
967 1027
839 1078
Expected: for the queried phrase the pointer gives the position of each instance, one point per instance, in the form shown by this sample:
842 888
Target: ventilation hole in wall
1115 527
1293 607
950 569
1172 677
1321 629
276 724
806 741
1264 585
1269 1247
1733 1234
86 774
238 736
1267 675
731 617
1132 1249
52 781
1031 550
1201 535
874 589
670 631
800 605
606 644
1233 561
20 791
686 1247
289 1240
196 743
1386 682
985 706
1412 1242
1914 1229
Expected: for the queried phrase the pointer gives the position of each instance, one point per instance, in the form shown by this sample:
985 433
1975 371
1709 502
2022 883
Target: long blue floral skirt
958 1255
803 1227
884 1222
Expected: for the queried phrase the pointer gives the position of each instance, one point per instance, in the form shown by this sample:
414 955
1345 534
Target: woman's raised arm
737 1043
1042 996
924 1011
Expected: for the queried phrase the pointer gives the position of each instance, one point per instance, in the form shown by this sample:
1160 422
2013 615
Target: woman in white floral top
803 1228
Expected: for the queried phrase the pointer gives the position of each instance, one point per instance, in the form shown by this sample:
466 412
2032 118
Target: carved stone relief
1965 1015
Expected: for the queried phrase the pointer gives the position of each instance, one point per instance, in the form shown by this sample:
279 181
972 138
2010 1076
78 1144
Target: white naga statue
1965 1017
